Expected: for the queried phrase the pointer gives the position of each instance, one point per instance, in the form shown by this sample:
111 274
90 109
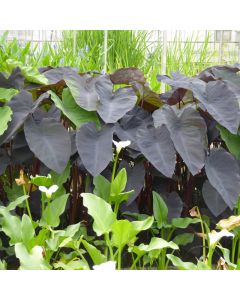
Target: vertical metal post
220 49
105 50
164 58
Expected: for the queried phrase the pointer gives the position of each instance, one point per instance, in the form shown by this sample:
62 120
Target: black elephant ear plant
109 169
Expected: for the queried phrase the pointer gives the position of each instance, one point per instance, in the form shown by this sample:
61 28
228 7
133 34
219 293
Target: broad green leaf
232 140
181 265
183 239
121 197
5 117
71 230
72 265
14 192
101 212
7 94
27 230
52 213
32 260
143 225
157 244
72 110
122 233
30 73
119 183
102 187
160 210
96 256
17 202
42 180
11 226
184 222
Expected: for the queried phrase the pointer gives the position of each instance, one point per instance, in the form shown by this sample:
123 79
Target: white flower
49 191
121 144
107 266
215 236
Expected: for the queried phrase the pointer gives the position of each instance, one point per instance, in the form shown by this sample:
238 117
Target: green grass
126 48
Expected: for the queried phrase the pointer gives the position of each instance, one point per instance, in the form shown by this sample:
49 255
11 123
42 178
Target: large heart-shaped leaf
218 98
101 212
222 104
213 199
21 105
127 75
113 105
223 173
130 123
95 146
188 133
5 117
157 147
83 90
197 86
49 141
73 111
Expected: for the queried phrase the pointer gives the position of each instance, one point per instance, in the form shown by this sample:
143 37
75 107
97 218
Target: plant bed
98 168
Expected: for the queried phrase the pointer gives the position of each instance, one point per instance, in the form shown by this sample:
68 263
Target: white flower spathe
107 266
49 191
215 236
121 144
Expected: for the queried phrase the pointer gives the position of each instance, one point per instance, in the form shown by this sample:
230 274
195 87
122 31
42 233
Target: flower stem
27 203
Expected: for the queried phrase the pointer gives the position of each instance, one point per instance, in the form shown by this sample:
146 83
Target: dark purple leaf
49 141
223 173
95 147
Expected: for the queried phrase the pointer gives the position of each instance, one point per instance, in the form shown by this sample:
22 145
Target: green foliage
160 210
74 112
51 214
96 256
184 222
32 260
30 73
181 265
123 232
232 141
183 239
7 94
101 213
5 117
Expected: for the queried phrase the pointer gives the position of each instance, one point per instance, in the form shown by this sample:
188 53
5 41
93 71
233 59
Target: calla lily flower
121 144
107 266
49 191
215 236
